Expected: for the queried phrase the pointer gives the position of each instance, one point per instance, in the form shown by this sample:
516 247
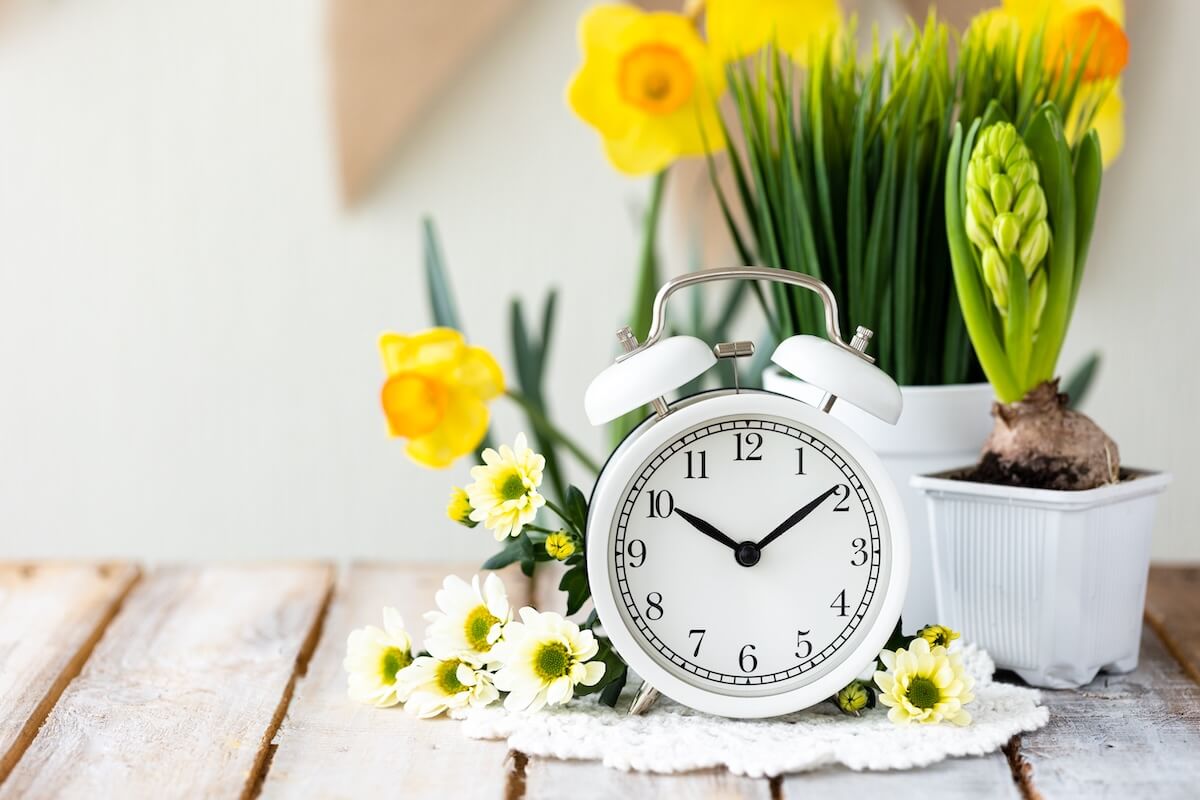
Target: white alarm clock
747 553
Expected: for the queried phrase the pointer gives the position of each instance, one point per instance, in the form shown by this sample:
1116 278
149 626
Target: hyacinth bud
1038 291
1006 212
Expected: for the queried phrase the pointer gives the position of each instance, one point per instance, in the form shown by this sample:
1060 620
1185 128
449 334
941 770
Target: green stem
647 278
550 504
553 432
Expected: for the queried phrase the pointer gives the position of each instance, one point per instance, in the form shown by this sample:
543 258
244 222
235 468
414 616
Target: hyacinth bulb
1006 214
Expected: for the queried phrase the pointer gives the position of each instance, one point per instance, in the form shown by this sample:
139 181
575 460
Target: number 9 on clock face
749 558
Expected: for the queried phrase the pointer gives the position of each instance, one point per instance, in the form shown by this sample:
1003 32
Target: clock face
748 554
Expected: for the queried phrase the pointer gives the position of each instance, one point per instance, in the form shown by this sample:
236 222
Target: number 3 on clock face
748 554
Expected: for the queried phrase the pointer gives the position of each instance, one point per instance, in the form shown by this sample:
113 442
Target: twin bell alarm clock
747 553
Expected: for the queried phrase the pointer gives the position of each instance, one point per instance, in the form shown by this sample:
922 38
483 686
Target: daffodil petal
463 427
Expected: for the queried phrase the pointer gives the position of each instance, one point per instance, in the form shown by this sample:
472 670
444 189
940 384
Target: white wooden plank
589 780
184 690
50 618
331 747
984 778
1134 735
582 780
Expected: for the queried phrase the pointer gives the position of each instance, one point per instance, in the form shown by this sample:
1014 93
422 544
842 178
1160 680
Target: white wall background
188 320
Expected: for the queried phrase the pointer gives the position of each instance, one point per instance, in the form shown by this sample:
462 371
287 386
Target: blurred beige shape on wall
388 61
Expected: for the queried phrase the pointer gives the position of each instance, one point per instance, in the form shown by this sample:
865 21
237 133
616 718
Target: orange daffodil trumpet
648 84
1084 29
436 393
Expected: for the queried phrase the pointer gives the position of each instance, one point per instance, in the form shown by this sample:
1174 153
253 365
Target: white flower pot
1051 583
941 427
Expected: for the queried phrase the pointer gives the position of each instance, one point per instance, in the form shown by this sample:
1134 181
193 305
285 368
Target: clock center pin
748 554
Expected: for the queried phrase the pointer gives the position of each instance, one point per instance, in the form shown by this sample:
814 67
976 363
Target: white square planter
1051 583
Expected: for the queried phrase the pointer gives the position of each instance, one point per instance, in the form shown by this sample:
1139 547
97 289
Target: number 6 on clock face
748 556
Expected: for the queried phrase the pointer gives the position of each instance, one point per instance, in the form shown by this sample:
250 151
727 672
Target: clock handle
644 698
659 320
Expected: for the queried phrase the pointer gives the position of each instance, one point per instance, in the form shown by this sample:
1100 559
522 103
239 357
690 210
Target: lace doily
672 738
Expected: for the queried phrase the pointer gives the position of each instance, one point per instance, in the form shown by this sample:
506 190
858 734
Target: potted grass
838 171
1041 549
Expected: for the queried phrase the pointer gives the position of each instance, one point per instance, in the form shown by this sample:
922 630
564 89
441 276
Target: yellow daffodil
545 657
1072 27
648 85
924 684
560 546
436 393
504 495
738 28
374 658
459 507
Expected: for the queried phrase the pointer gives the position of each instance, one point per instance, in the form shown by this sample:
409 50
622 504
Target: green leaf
574 582
612 692
441 297
1089 168
1048 143
1080 381
614 668
512 551
577 508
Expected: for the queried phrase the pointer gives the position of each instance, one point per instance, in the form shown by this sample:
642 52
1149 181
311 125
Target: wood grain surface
183 691
50 618
330 746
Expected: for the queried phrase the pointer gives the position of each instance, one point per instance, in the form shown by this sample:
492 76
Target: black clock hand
791 521
707 529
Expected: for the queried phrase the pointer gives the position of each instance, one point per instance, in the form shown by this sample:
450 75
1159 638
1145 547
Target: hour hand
707 529
795 518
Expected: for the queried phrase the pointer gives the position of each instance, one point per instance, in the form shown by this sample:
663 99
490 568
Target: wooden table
226 681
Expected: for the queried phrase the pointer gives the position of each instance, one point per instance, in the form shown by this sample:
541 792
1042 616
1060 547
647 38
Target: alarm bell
644 375
840 372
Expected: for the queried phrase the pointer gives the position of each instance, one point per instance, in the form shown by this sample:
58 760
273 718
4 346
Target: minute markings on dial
721 665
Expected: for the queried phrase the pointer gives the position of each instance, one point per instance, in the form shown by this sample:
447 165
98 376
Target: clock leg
645 697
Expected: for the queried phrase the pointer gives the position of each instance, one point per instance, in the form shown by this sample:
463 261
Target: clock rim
653 433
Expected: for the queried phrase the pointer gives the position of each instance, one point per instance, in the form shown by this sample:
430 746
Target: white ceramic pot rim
911 388
1139 483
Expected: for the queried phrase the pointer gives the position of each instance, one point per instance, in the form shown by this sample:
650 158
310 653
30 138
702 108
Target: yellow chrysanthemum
924 684
375 658
560 546
1072 27
504 495
938 635
648 85
738 28
436 393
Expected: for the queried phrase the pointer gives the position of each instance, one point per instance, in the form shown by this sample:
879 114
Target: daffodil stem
539 419
647 278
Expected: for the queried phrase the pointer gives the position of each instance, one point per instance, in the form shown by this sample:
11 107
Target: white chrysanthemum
504 494
470 620
544 658
374 657
925 684
434 685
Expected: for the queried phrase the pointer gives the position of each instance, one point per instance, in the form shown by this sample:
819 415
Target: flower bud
855 697
1034 245
459 507
1002 191
1038 292
995 275
1006 209
560 545
1006 230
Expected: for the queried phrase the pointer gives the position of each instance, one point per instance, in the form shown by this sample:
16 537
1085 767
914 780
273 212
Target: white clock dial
749 555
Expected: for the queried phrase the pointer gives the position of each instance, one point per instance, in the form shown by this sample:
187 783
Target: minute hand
791 521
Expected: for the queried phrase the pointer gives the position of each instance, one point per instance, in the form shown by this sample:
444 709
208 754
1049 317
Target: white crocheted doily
672 738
